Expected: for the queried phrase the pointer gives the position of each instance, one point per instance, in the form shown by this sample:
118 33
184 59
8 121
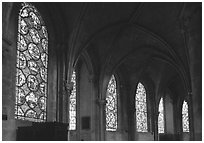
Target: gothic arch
170 56
151 98
85 74
11 24
84 57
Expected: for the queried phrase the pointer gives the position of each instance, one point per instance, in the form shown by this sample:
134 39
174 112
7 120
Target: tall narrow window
32 59
161 116
185 119
111 105
141 108
72 104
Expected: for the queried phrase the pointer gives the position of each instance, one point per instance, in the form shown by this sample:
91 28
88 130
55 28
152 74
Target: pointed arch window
141 108
161 116
72 104
111 105
32 59
185 118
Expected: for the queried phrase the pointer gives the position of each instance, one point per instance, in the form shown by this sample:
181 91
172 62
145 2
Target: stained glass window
111 105
141 108
72 104
185 119
161 116
32 59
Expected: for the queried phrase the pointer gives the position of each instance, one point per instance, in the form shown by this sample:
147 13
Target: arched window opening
141 108
72 104
111 105
161 116
185 118
32 59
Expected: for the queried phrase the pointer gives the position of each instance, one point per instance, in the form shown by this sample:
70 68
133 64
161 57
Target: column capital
189 96
101 102
68 85
190 93
91 78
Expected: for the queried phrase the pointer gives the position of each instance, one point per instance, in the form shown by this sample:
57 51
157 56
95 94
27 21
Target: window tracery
141 108
32 59
161 116
185 118
111 105
72 104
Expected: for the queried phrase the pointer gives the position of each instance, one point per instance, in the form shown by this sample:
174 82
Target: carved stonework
68 86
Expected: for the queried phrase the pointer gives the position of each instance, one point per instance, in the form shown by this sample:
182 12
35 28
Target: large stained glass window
32 59
161 116
72 104
141 108
111 105
185 119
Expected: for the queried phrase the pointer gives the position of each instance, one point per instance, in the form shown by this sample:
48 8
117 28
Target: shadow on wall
174 137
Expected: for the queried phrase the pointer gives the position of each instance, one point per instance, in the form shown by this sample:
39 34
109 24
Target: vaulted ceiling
130 37
133 38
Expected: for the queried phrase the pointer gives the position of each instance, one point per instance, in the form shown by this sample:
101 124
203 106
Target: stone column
190 116
68 86
193 31
102 121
